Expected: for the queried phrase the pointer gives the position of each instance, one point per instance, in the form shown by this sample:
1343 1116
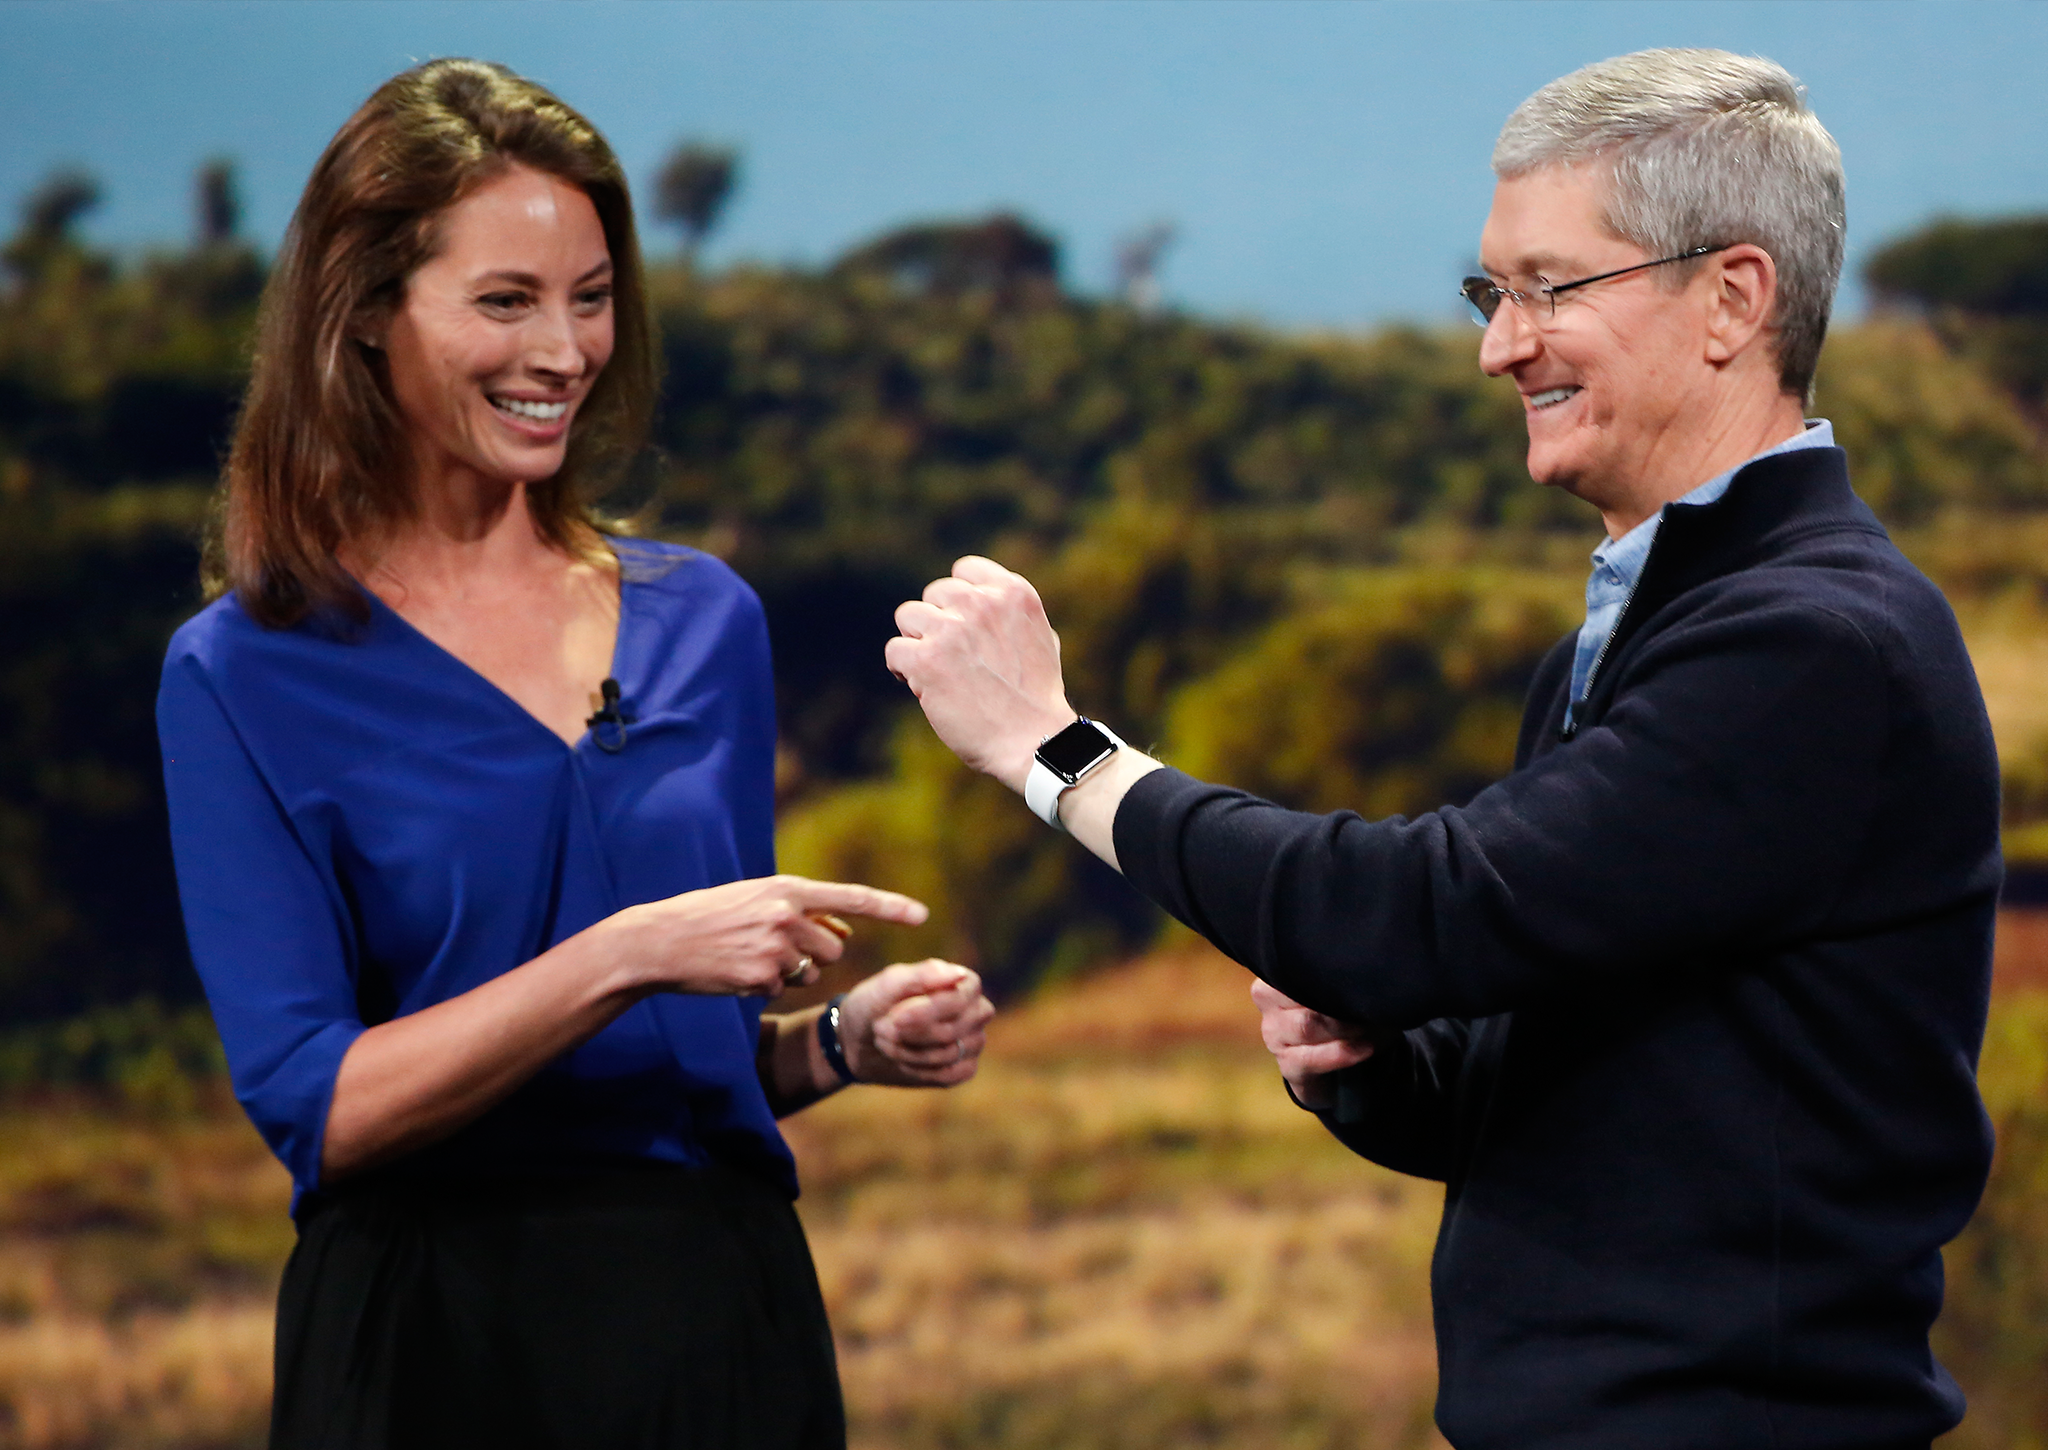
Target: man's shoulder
1852 575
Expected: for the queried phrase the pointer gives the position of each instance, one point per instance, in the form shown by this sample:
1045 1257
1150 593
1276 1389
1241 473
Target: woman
472 814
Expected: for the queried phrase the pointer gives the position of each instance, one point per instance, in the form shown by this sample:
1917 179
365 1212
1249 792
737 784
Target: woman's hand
1308 1045
917 1025
748 938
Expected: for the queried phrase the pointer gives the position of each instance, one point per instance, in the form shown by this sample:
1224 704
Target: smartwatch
1062 760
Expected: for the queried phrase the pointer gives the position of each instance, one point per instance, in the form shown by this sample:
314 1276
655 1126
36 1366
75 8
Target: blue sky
1325 160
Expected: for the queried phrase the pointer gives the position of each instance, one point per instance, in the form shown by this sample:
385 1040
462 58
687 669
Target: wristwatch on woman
1062 760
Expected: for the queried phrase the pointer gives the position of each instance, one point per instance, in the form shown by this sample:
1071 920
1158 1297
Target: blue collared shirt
1618 563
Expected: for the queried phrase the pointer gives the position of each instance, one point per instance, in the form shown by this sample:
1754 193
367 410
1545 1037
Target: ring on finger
802 968
959 1052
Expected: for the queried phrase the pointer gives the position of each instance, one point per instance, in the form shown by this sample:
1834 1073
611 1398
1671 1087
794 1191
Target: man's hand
983 661
1308 1045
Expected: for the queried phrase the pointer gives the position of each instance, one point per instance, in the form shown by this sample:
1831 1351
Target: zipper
1571 727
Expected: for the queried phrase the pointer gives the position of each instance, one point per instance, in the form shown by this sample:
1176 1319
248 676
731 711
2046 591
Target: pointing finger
849 899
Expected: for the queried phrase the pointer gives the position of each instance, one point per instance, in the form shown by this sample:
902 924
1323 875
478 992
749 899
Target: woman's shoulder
223 633
214 635
687 576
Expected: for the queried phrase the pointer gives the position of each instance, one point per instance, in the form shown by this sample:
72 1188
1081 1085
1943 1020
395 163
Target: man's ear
1745 291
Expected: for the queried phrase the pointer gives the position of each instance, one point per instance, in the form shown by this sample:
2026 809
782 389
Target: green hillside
1312 564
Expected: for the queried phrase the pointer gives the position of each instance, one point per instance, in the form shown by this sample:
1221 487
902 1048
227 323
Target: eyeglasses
1485 295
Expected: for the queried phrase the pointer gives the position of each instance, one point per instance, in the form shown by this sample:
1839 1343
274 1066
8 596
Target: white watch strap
1043 789
1042 793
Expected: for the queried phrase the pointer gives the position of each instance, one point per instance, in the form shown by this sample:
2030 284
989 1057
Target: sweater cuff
1352 1078
1141 835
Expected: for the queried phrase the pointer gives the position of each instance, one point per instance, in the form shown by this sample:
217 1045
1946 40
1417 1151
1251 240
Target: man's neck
1728 440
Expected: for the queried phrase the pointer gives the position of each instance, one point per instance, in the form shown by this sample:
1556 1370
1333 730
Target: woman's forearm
415 1079
794 1072
407 1082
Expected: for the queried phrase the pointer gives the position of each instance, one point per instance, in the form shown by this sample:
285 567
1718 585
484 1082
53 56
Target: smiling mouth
531 412
1551 397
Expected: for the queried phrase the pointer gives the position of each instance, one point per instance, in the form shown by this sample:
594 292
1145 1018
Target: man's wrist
1071 755
1016 771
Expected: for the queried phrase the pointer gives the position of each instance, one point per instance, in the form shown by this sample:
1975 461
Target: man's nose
1510 338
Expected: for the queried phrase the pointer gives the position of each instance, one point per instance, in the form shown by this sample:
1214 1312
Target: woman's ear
1745 282
371 324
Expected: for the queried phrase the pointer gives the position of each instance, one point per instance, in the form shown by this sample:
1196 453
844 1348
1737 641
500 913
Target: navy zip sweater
1685 1011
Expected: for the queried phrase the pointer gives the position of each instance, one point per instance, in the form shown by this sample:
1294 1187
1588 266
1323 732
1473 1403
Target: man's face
1608 381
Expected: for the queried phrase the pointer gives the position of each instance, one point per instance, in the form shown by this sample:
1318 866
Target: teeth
1550 397
538 412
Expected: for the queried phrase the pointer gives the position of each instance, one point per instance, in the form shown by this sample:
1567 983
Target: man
1685 1011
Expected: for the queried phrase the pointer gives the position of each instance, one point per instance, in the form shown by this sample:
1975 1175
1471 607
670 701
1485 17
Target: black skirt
635 1306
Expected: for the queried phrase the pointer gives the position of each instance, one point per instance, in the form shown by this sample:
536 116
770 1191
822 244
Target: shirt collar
1617 562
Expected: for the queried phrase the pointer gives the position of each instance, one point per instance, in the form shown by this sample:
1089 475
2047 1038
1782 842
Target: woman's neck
459 537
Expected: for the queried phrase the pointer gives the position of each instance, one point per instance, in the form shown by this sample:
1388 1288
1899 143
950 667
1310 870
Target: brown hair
318 454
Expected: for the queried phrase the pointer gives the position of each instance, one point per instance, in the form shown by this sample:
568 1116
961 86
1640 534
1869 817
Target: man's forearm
1088 810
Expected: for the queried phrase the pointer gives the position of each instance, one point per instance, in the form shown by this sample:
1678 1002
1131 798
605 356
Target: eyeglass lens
1484 296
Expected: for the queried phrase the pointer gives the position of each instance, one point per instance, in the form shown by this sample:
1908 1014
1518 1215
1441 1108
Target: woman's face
503 331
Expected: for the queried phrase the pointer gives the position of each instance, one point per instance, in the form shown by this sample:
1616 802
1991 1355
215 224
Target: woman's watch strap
1063 759
829 1043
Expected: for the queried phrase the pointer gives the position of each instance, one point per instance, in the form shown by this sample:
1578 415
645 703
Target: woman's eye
503 301
595 298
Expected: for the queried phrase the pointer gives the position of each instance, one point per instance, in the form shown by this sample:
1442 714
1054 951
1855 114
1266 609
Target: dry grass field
1120 1237
1121 1234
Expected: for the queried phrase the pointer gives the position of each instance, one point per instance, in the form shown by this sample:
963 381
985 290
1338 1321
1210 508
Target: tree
1001 254
217 202
47 217
692 188
1993 268
1137 264
1984 286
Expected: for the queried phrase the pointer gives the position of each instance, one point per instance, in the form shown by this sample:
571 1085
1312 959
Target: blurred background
1152 301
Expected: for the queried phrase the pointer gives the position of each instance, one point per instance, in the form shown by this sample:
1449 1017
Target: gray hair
1703 148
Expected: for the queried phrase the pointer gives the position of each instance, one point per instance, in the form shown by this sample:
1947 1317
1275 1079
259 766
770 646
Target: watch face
1074 749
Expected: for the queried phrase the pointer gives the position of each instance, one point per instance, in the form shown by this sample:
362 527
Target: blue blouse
365 826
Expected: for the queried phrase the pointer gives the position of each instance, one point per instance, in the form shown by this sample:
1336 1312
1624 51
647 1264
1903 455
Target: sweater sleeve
267 925
1407 1097
1718 806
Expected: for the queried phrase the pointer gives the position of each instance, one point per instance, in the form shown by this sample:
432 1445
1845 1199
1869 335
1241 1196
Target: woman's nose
552 345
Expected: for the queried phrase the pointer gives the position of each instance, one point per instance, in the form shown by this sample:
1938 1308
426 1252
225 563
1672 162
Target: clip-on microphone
610 714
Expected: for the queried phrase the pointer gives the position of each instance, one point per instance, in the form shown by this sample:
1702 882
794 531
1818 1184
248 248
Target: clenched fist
983 661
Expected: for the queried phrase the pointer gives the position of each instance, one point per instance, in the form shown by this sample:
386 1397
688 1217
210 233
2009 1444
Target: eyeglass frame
1549 291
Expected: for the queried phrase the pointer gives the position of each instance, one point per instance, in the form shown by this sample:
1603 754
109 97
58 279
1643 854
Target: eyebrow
1534 264
527 279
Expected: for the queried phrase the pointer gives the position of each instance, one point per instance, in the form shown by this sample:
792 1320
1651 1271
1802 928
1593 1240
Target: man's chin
1553 472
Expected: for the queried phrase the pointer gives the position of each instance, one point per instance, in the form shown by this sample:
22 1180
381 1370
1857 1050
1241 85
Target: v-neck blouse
365 826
